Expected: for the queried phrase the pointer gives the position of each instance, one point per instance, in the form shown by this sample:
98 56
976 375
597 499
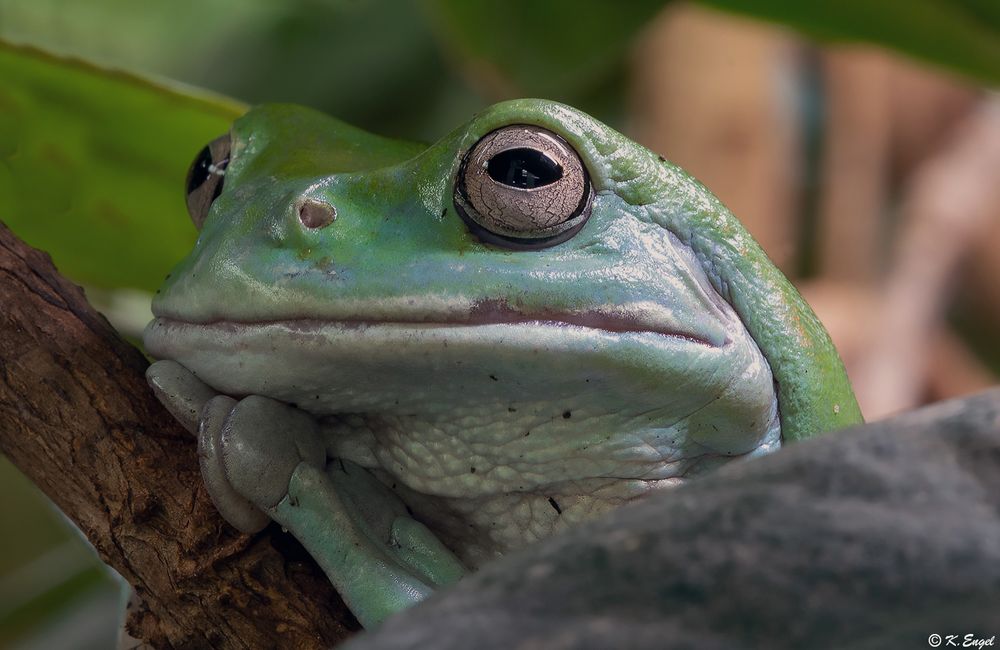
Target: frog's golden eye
523 187
205 177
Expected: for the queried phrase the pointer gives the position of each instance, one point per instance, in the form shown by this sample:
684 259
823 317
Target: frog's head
532 260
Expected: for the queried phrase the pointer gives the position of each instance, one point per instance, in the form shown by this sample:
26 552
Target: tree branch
77 417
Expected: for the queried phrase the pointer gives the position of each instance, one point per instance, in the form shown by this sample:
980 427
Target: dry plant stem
852 313
981 275
77 418
925 108
950 202
953 370
855 163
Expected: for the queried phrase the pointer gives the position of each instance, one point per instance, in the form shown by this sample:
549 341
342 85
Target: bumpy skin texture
473 398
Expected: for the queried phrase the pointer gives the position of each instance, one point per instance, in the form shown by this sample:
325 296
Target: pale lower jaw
346 363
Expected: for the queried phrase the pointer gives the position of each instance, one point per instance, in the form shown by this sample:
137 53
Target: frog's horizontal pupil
200 169
523 168
522 187
205 178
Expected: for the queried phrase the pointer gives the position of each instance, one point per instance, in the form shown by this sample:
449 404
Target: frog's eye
523 187
204 179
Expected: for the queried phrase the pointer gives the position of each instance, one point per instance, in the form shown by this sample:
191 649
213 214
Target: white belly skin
487 502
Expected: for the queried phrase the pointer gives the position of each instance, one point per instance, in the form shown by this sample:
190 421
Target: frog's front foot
247 449
262 459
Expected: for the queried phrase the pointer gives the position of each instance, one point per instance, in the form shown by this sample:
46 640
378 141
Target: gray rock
874 537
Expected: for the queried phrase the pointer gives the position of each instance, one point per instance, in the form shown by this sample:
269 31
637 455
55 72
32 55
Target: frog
418 358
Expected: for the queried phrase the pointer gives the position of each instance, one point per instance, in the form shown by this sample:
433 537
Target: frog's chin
336 367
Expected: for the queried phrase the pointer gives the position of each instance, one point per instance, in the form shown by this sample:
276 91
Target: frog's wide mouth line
597 322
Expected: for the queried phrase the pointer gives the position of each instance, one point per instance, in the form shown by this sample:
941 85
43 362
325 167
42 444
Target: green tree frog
417 358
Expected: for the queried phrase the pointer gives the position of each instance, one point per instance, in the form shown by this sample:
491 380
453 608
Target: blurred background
871 179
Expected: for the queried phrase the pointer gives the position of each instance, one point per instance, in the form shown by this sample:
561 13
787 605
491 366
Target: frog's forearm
371 582
347 520
262 460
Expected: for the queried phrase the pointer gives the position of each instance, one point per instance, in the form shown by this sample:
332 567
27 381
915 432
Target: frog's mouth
499 312
597 322
642 319
541 354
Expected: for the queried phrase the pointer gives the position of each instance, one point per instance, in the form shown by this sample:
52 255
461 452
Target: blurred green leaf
960 34
46 566
372 63
91 162
559 48
92 165
556 49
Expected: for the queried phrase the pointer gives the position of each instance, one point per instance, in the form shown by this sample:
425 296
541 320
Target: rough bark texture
77 418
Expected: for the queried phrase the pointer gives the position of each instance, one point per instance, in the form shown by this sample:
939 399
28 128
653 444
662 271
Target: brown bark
77 418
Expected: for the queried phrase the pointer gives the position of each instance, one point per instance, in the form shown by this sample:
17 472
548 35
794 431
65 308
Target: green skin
411 402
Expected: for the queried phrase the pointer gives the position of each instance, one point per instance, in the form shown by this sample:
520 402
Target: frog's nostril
314 213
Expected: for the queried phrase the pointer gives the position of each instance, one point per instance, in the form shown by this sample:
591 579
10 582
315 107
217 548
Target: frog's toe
422 550
262 442
183 394
233 506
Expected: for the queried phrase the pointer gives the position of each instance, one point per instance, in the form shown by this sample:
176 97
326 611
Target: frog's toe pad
262 442
233 506
183 394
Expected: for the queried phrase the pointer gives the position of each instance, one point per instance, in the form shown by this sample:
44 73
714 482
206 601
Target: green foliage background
93 162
